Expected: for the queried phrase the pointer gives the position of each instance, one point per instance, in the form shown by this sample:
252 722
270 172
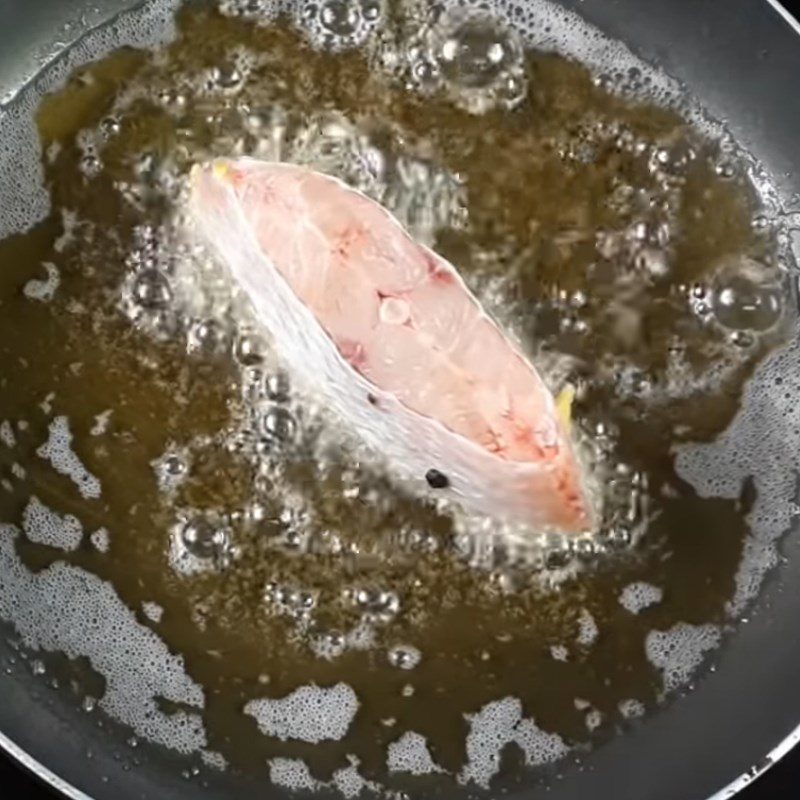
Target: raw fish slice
388 331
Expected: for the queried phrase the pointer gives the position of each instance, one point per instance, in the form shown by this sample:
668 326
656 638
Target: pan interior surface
208 591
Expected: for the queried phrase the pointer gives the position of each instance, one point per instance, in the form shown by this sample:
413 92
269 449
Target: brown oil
572 235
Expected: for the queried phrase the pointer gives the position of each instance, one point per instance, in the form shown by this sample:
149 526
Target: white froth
587 629
43 290
361 638
101 422
593 719
47 404
153 611
94 623
7 436
57 450
637 597
559 652
293 774
69 229
24 199
215 760
631 708
44 526
309 714
679 651
498 724
350 783
410 754
100 539
762 444
18 471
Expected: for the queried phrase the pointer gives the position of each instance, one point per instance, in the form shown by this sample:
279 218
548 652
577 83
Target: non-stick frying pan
741 59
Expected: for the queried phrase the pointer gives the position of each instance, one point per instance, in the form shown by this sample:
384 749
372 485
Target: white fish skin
347 296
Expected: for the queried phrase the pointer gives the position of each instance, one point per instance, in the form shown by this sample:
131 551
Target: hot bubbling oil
626 252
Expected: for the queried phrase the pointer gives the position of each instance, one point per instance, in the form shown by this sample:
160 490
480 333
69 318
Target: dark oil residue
544 181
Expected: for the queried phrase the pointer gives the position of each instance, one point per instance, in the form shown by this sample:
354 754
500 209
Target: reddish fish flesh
388 331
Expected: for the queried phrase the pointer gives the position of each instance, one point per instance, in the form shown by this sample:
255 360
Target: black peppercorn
436 479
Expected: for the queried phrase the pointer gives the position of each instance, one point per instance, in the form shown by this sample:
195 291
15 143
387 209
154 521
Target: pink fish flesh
387 330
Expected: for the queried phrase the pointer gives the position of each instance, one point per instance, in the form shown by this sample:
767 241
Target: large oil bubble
473 57
747 297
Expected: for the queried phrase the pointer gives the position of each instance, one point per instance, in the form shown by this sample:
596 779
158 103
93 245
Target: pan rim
19 757
27 762
22 758
783 748
787 15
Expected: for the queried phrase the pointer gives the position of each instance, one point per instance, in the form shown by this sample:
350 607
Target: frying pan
741 59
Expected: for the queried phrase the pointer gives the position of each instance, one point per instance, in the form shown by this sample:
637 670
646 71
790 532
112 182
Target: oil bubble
277 387
172 99
228 77
110 126
617 538
249 349
326 543
294 540
743 339
726 170
377 603
329 645
653 262
511 90
340 17
170 470
206 336
279 425
742 303
558 551
404 656
476 53
479 59
585 548
341 24
91 165
371 10
290 600
175 466
151 290
761 222
253 10
203 539
426 74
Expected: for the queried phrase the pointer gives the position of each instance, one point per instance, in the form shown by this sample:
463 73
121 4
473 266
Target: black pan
741 58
